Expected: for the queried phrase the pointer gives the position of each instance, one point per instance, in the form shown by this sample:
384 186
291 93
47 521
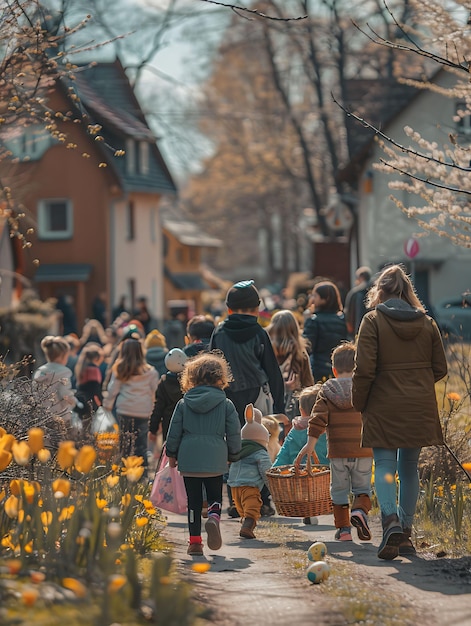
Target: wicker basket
301 490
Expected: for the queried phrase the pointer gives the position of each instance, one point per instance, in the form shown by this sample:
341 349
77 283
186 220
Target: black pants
194 494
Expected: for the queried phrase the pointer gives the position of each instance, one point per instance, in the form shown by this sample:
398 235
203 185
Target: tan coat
399 358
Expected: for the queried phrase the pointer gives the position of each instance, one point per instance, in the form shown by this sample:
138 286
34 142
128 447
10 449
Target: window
463 119
130 221
130 156
55 219
143 157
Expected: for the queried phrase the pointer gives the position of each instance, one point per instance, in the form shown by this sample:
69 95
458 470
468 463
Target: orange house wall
65 173
176 265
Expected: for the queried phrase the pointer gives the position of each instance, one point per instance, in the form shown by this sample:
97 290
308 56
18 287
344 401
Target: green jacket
204 432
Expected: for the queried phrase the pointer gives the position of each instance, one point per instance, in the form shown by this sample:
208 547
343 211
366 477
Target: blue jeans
404 461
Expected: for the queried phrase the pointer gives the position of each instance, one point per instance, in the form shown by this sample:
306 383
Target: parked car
453 317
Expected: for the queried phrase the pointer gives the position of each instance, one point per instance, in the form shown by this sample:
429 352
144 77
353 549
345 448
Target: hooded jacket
399 359
134 397
251 469
248 349
57 380
333 413
155 356
204 432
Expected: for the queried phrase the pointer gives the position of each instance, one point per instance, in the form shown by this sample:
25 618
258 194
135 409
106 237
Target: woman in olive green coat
399 359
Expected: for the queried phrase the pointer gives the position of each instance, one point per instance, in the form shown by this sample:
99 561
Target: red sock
196 539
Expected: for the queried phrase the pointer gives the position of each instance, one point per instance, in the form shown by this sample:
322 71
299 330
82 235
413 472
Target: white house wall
384 228
139 259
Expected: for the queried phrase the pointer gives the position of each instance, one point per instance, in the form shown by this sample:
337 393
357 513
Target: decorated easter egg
315 572
317 551
325 570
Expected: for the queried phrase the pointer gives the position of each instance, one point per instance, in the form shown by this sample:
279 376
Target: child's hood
339 392
204 399
241 327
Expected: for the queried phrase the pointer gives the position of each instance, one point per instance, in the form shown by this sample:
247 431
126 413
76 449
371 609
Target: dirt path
262 581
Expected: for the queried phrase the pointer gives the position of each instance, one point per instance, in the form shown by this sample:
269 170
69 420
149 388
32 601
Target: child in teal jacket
297 436
204 434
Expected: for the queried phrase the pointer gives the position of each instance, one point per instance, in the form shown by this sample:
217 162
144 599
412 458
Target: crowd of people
348 386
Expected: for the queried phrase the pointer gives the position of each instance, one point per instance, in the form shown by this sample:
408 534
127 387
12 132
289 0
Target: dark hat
243 295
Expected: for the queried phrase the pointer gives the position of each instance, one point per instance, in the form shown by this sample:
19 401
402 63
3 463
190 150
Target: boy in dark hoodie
350 464
257 377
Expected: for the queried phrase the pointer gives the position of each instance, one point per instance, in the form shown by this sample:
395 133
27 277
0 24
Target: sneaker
232 511
214 533
195 549
392 537
344 534
359 520
311 521
266 511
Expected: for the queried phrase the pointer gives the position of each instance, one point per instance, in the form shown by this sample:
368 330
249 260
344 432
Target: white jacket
135 397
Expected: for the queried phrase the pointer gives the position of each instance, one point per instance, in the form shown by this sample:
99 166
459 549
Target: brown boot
392 537
247 528
406 547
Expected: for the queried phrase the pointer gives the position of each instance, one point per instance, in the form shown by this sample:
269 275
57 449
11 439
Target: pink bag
168 491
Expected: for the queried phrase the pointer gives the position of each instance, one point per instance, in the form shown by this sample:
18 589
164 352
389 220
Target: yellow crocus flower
85 459
5 459
76 586
116 582
35 439
43 455
112 481
46 518
61 485
141 521
11 507
21 452
2 495
132 461
29 490
66 513
66 454
101 503
6 442
134 474
126 499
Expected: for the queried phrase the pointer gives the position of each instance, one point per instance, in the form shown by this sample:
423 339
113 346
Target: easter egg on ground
315 572
325 569
317 551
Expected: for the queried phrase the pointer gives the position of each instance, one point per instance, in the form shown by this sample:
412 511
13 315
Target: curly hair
206 368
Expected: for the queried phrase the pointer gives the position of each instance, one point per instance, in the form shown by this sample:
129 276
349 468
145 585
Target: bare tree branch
236 9
425 181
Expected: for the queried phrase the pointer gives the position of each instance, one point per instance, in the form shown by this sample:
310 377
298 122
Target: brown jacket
399 359
333 412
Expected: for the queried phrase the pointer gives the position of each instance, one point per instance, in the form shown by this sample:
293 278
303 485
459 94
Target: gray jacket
135 397
204 433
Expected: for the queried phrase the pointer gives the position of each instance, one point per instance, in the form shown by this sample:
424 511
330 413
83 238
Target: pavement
263 581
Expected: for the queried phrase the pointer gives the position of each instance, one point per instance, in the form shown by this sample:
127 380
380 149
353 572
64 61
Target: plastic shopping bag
103 421
168 491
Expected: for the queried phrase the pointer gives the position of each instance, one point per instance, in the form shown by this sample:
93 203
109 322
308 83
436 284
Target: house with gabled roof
440 269
93 200
184 244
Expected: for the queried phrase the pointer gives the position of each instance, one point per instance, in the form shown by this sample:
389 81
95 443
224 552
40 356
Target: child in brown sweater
350 464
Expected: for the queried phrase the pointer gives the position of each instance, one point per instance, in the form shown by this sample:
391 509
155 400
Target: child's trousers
247 501
194 492
349 476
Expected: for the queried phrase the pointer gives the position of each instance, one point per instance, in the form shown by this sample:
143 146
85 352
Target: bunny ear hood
253 428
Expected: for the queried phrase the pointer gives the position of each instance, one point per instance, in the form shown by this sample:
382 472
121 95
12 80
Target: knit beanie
253 428
155 339
243 295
